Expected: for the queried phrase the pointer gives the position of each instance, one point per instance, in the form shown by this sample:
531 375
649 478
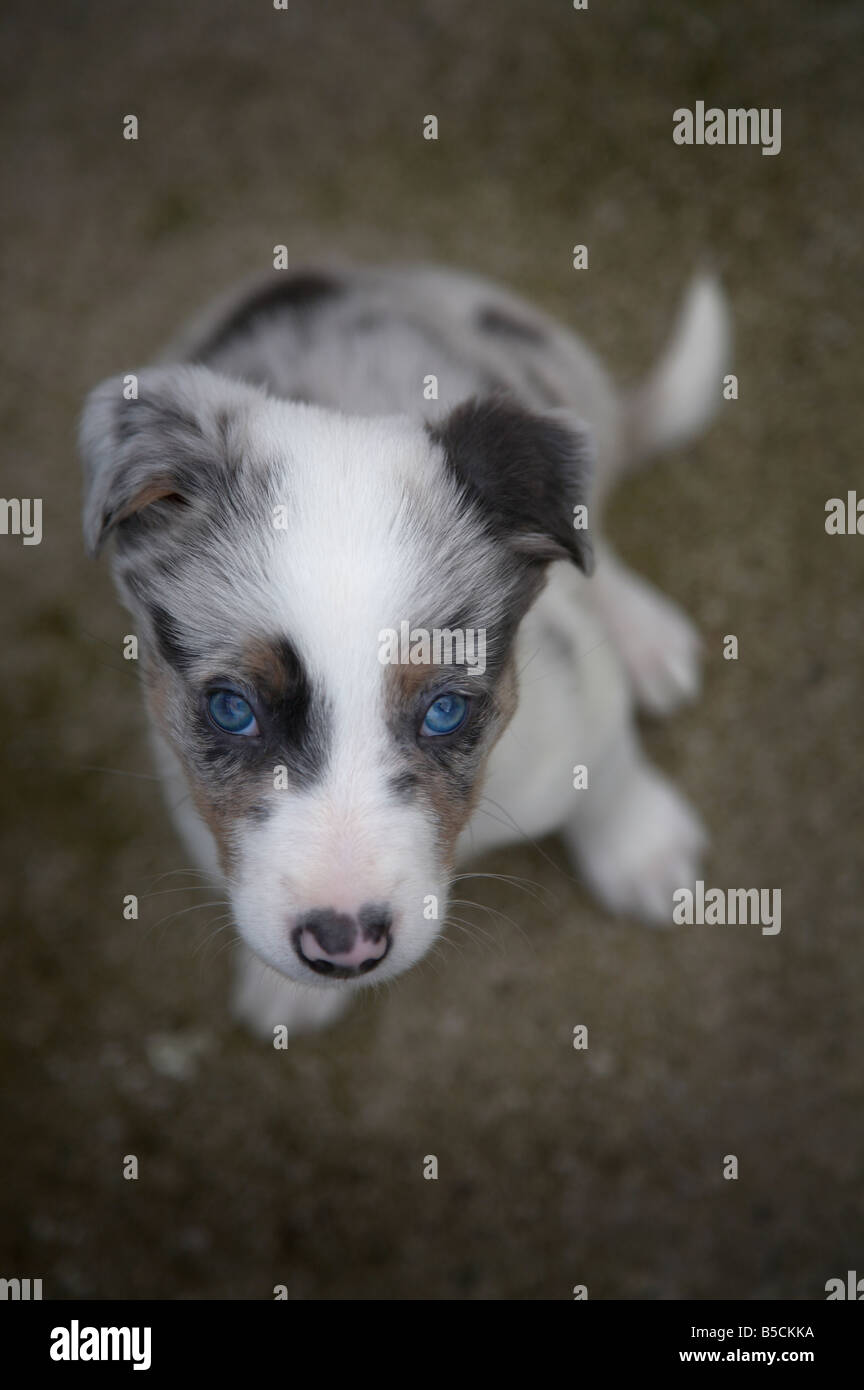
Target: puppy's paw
263 1000
660 648
658 645
651 846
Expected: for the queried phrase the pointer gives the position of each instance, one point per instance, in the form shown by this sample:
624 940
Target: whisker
231 943
184 888
196 907
527 838
448 941
216 927
125 670
526 664
496 912
526 885
428 962
172 873
474 933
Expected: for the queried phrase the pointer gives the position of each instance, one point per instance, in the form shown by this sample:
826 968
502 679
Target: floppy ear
158 453
527 472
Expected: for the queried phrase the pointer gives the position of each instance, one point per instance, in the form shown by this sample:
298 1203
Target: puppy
328 469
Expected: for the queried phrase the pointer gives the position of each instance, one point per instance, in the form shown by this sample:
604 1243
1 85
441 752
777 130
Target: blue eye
231 713
445 715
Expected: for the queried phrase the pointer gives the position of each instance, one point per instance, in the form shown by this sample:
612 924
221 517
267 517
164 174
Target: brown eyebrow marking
272 666
407 681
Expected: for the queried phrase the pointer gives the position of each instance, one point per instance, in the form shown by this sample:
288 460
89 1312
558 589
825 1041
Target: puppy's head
295 574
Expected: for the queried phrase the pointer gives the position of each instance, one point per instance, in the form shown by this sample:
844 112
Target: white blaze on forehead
360 499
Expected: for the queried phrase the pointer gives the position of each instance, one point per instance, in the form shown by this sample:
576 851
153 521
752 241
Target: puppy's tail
683 392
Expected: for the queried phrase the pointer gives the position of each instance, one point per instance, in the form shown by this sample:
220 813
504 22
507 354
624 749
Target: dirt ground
556 1166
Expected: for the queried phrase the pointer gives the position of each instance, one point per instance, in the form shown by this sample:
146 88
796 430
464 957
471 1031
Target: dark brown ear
527 472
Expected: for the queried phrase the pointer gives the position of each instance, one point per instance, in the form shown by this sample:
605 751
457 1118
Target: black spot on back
288 293
493 320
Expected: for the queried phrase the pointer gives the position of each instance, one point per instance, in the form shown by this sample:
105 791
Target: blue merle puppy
330 456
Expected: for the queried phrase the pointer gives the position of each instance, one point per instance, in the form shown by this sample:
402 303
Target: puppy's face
284 564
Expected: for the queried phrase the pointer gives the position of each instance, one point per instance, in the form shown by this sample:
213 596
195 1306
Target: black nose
336 944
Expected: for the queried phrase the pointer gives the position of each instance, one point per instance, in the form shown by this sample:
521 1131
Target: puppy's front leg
657 643
635 839
263 1000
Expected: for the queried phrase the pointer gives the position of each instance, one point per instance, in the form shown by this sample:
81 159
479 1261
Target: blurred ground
557 1167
